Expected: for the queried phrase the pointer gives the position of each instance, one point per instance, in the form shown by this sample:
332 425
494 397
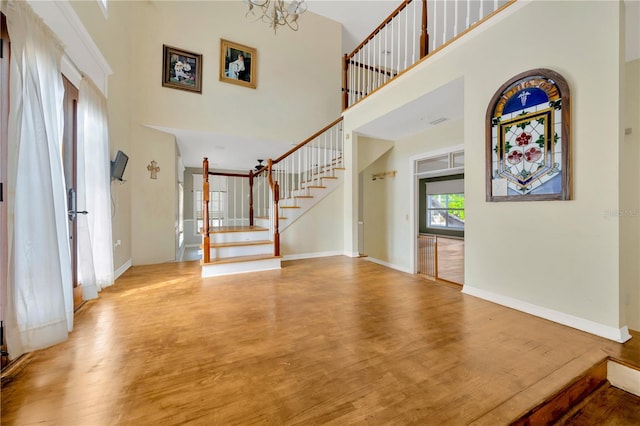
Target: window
445 211
442 207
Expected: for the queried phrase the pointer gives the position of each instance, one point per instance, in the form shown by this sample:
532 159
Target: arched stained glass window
528 132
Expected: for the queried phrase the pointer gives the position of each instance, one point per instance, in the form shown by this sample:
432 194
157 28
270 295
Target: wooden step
289 207
608 405
315 186
241 259
224 229
555 406
303 196
239 244
241 264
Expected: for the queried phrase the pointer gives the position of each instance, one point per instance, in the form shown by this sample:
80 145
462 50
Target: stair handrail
306 141
275 185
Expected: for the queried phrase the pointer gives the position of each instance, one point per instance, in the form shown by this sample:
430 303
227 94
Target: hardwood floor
451 259
332 340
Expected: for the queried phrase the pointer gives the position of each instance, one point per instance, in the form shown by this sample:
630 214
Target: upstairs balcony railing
414 30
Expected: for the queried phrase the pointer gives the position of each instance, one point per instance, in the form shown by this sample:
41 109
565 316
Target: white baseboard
389 265
311 255
121 270
619 335
623 377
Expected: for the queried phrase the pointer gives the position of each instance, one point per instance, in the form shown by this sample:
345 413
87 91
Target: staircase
301 200
290 185
237 249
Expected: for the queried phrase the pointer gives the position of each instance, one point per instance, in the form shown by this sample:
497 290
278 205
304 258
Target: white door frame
413 194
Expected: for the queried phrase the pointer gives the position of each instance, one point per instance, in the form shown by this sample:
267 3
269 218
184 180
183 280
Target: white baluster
406 35
455 17
415 33
386 33
495 5
399 38
435 23
468 20
326 165
444 24
481 11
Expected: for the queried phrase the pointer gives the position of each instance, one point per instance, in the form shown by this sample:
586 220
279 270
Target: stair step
225 229
239 244
315 186
289 207
241 259
303 196
555 406
607 405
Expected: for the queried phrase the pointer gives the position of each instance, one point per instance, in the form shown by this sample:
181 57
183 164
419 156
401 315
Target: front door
69 145
4 144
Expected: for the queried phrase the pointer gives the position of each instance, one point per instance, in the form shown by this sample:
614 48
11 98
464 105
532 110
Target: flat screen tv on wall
118 165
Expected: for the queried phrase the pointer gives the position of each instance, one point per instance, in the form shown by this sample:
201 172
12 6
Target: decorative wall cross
154 169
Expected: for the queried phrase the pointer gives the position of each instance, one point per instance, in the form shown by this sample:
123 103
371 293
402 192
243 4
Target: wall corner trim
619 335
121 270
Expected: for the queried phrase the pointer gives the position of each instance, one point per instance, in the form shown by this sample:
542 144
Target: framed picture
237 64
181 69
528 139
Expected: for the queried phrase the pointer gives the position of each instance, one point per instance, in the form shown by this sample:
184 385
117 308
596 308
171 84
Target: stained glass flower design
532 154
515 156
523 139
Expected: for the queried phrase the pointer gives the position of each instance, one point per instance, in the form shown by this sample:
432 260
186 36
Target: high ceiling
358 18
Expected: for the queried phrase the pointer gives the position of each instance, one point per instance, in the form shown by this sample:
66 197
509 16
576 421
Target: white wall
319 231
153 205
629 211
386 202
559 256
298 92
298 73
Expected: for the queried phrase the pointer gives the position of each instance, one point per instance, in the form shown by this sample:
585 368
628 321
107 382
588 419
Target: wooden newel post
250 197
345 82
276 229
206 242
424 34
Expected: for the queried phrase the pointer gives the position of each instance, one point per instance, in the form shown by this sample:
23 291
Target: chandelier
278 13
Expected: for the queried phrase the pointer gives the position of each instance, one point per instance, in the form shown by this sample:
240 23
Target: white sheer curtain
40 299
95 249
